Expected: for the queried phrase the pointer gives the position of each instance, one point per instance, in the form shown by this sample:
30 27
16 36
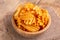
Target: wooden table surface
7 7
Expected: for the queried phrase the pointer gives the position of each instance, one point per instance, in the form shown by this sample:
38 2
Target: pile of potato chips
31 18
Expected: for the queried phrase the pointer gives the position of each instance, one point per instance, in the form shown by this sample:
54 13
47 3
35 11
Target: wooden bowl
29 34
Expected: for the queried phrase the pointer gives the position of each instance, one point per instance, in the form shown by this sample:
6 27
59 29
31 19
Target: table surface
7 8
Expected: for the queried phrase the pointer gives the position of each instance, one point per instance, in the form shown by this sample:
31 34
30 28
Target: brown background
7 8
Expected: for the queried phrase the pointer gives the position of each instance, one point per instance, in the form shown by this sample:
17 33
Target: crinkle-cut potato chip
31 18
31 28
29 6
